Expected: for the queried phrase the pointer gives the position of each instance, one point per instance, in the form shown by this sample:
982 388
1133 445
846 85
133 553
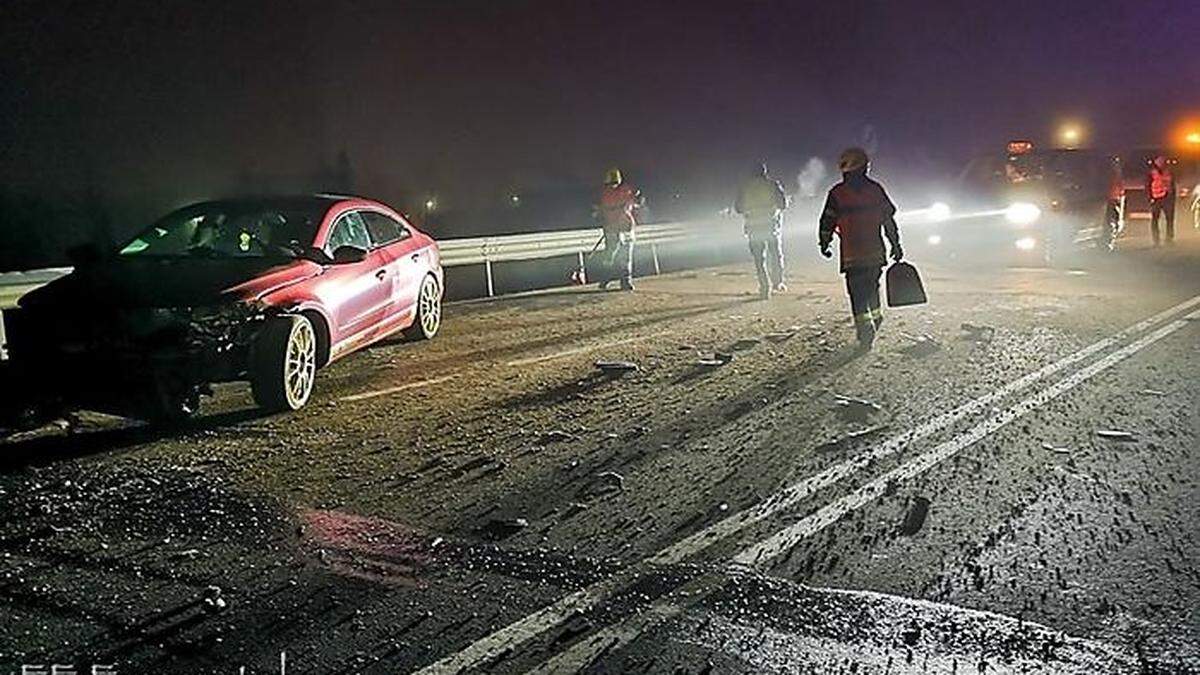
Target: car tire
428 320
284 363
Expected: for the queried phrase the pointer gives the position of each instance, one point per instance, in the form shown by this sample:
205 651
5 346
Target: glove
825 251
897 253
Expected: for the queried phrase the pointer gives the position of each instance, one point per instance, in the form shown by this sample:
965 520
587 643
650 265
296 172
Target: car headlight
1022 213
939 211
1026 243
934 239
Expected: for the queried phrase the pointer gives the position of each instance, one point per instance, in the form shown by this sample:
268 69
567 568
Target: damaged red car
266 290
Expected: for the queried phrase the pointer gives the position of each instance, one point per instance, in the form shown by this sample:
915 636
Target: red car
267 290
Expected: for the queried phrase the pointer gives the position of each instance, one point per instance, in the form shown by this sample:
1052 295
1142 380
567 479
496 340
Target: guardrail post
3 344
487 266
654 255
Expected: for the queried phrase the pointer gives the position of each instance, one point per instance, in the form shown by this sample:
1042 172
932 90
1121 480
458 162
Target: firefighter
761 202
1160 190
618 201
859 210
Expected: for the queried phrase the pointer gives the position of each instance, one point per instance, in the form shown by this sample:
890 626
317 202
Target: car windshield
230 230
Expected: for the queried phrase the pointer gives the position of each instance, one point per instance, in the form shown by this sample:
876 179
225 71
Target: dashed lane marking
522 630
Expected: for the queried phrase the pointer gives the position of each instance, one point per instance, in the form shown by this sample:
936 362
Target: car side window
349 230
383 229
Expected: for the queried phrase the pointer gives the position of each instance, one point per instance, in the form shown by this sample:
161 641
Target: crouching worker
860 212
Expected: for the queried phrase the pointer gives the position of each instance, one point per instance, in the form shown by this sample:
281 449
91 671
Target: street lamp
1070 136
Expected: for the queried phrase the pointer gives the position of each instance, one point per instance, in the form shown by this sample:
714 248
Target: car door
395 241
358 294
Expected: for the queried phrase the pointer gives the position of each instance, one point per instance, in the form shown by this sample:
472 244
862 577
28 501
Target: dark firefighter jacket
859 211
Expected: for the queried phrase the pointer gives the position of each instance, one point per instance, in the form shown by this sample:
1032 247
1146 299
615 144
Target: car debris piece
914 520
555 435
1055 448
780 336
723 357
855 409
501 528
922 345
211 601
616 367
977 333
1152 392
744 344
604 483
1115 435
850 438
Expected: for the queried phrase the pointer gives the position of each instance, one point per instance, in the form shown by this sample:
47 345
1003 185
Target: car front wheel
284 363
429 311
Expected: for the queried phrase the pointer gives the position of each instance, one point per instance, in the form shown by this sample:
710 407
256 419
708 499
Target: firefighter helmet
613 177
853 159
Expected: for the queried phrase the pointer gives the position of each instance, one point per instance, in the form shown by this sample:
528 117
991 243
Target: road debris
557 435
502 528
914 520
1055 448
1152 392
744 344
922 345
605 483
850 438
977 333
211 601
616 367
1115 435
780 336
853 409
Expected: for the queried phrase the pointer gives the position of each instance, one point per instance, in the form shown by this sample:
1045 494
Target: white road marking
522 630
578 350
761 554
764 552
393 390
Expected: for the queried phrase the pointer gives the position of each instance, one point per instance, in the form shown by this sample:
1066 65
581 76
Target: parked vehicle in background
267 290
1034 205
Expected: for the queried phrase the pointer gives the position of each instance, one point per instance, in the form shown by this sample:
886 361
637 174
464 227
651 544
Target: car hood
170 282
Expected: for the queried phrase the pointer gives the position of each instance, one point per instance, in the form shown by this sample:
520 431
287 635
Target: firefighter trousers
862 283
766 250
1162 207
618 256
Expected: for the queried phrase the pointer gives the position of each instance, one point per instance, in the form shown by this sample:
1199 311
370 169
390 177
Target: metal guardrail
513 247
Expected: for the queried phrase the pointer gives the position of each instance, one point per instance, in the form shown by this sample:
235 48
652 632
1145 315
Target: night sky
471 100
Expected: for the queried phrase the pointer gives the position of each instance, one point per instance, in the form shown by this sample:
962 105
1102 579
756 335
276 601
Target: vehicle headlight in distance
939 211
934 239
1026 243
1022 213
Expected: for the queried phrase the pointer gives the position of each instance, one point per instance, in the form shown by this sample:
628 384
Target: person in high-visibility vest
617 203
761 202
859 211
1161 190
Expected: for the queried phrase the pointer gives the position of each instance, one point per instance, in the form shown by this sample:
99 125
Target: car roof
321 201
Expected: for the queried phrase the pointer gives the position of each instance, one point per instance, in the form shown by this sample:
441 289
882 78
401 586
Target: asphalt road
1023 498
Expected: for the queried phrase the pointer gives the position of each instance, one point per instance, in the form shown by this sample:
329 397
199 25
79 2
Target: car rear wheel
429 311
284 364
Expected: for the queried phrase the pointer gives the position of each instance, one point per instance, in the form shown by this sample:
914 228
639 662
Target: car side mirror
347 254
